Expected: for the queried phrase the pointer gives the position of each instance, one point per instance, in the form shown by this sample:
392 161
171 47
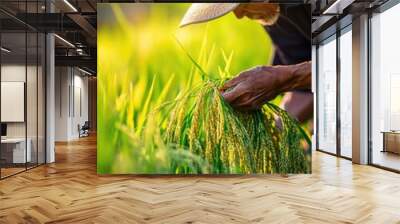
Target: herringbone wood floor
70 191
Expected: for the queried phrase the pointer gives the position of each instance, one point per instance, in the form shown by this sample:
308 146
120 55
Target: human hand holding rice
252 88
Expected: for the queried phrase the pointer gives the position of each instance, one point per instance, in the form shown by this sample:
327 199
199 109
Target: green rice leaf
146 106
202 72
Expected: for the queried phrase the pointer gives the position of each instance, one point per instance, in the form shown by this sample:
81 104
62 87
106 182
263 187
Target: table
391 141
16 147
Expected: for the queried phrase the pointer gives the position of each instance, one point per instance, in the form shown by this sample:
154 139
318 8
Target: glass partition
22 108
32 86
326 97
14 153
32 95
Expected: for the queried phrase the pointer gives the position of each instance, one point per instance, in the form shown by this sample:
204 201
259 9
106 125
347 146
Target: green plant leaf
202 72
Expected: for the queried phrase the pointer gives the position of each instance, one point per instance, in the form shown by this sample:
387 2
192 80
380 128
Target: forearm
297 77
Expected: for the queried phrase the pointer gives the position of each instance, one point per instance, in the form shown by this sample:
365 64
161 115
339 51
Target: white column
360 90
50 93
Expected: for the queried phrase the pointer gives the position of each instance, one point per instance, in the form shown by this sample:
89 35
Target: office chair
84 130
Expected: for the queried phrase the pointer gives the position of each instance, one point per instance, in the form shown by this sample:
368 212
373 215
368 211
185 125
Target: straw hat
202 12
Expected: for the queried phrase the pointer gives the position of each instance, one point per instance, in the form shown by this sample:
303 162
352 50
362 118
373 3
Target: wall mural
189 88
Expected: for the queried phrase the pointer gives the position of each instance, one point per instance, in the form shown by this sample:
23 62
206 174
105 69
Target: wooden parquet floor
70 191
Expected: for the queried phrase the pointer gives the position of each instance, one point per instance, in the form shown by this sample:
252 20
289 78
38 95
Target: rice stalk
232 141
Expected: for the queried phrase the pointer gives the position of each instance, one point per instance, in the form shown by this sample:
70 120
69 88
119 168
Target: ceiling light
70 5
5 50
65 41
84 71
79 51
337 7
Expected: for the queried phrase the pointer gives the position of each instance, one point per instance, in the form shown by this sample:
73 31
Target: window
346 92
385 89
327 95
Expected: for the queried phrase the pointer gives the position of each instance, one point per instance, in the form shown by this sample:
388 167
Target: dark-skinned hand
252 88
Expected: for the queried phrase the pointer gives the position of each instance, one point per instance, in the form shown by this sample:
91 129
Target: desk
391 141
16 147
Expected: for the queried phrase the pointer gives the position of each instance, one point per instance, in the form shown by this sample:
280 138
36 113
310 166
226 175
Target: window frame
346 27
378 10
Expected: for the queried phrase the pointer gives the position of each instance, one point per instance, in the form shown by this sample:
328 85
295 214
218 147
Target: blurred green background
141 65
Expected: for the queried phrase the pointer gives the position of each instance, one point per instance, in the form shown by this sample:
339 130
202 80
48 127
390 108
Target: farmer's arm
254 87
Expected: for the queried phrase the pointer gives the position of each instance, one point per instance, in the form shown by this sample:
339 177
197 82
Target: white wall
80 109
12 73
62 81
71 94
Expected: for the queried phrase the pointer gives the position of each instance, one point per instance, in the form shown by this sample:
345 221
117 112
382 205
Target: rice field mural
160 104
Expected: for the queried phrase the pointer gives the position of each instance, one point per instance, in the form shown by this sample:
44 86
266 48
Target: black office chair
84 130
